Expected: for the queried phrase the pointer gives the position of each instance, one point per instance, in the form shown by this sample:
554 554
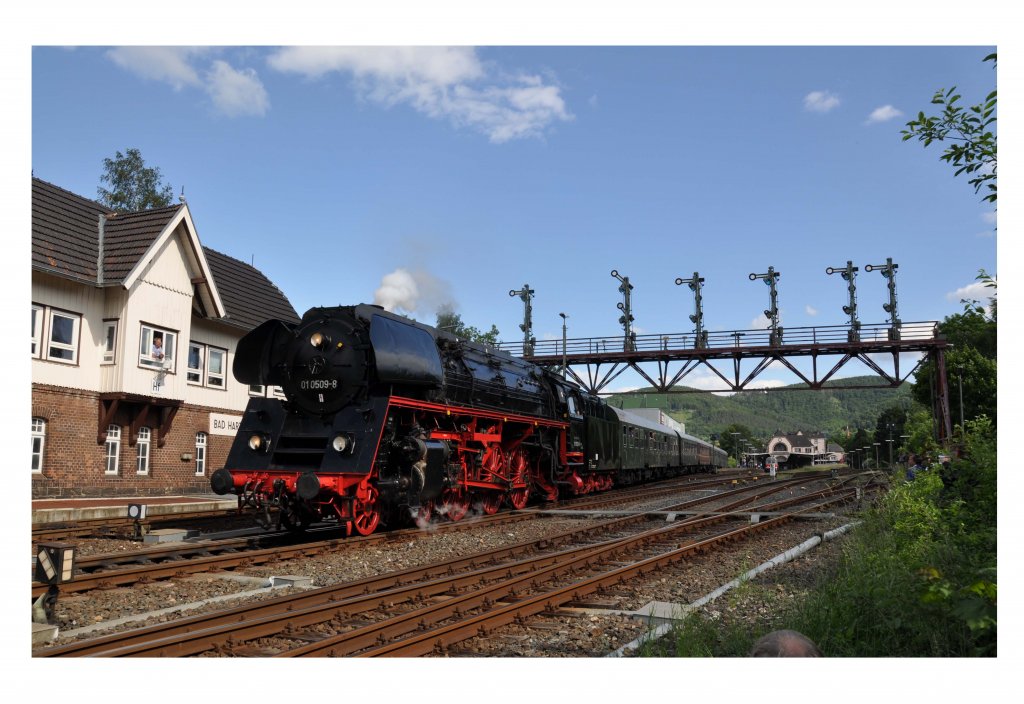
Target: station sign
221 424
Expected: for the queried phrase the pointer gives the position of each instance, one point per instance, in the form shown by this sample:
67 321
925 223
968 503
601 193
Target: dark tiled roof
127 236
65 234
65 242
248 296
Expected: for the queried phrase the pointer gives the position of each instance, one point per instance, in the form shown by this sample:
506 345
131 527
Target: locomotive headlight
343 443
258 443
317 340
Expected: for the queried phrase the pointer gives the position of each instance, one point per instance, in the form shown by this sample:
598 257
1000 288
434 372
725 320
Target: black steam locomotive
387 419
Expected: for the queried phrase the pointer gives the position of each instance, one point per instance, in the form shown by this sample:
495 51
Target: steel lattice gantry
605 358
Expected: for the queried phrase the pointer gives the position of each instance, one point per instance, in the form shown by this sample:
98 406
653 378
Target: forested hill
764 412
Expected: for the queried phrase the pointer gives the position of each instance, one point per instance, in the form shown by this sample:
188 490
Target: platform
48 511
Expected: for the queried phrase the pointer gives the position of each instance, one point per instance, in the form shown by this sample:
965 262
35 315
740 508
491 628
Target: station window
113 450
215 374
38 441
37 330
63 343
206 365
142 451
156 348
200 454
109 340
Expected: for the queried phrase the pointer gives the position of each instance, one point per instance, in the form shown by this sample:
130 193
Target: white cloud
441 82
236 92
821 101
883 114
811 310
169 64
233 92
977 291
989 217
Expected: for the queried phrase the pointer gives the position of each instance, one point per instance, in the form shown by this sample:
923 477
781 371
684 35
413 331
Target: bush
917 577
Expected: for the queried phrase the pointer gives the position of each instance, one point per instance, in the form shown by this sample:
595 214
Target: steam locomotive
387 421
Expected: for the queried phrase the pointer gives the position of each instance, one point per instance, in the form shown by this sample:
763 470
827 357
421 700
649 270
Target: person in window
158 348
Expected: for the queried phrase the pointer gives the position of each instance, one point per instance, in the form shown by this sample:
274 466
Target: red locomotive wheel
423 515
366 510
493 465
519 472
454 504
489 502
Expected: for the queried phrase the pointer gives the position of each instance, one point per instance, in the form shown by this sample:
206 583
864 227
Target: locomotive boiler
386 420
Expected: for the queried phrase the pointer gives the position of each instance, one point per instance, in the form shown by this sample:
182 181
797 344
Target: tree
733 444
971 131
450 321
971 363
134 185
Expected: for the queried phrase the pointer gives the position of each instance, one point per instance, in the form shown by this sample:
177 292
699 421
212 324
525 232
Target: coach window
200 454
113 449
38 440
215 373
156 348
142 447
63 342
37 330
109 340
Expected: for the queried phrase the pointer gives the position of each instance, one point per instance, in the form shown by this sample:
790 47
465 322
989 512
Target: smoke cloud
413 292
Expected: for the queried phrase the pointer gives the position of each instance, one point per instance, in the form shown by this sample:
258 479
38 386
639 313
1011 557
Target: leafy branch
970 133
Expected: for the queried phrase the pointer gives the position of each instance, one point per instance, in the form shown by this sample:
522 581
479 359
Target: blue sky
473 170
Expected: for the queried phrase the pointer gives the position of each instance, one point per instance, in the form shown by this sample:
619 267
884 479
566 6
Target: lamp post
890 427
736 445
564 329
960 384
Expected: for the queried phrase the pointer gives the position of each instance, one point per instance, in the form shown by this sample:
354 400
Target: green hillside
786 409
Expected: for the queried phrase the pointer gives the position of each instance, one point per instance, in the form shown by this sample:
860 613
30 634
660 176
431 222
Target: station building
134 327
799 449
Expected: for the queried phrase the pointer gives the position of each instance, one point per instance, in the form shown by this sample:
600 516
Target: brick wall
74 464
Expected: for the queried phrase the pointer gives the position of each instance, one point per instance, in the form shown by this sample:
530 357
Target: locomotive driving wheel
422 515
489 502
519 474
366 509
454 504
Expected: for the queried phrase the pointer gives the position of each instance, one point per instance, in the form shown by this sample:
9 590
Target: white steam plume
418 291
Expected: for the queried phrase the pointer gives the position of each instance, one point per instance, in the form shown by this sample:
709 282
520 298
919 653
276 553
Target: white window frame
37 330
109 342
76 327
197 372
207 377
200 453
142 447
257 390
146 360
216 380
38 444
113 451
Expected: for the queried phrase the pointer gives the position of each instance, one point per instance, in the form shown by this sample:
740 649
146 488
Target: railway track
512 582
109 570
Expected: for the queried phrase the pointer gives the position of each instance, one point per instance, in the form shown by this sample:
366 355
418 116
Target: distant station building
134 327
800 449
